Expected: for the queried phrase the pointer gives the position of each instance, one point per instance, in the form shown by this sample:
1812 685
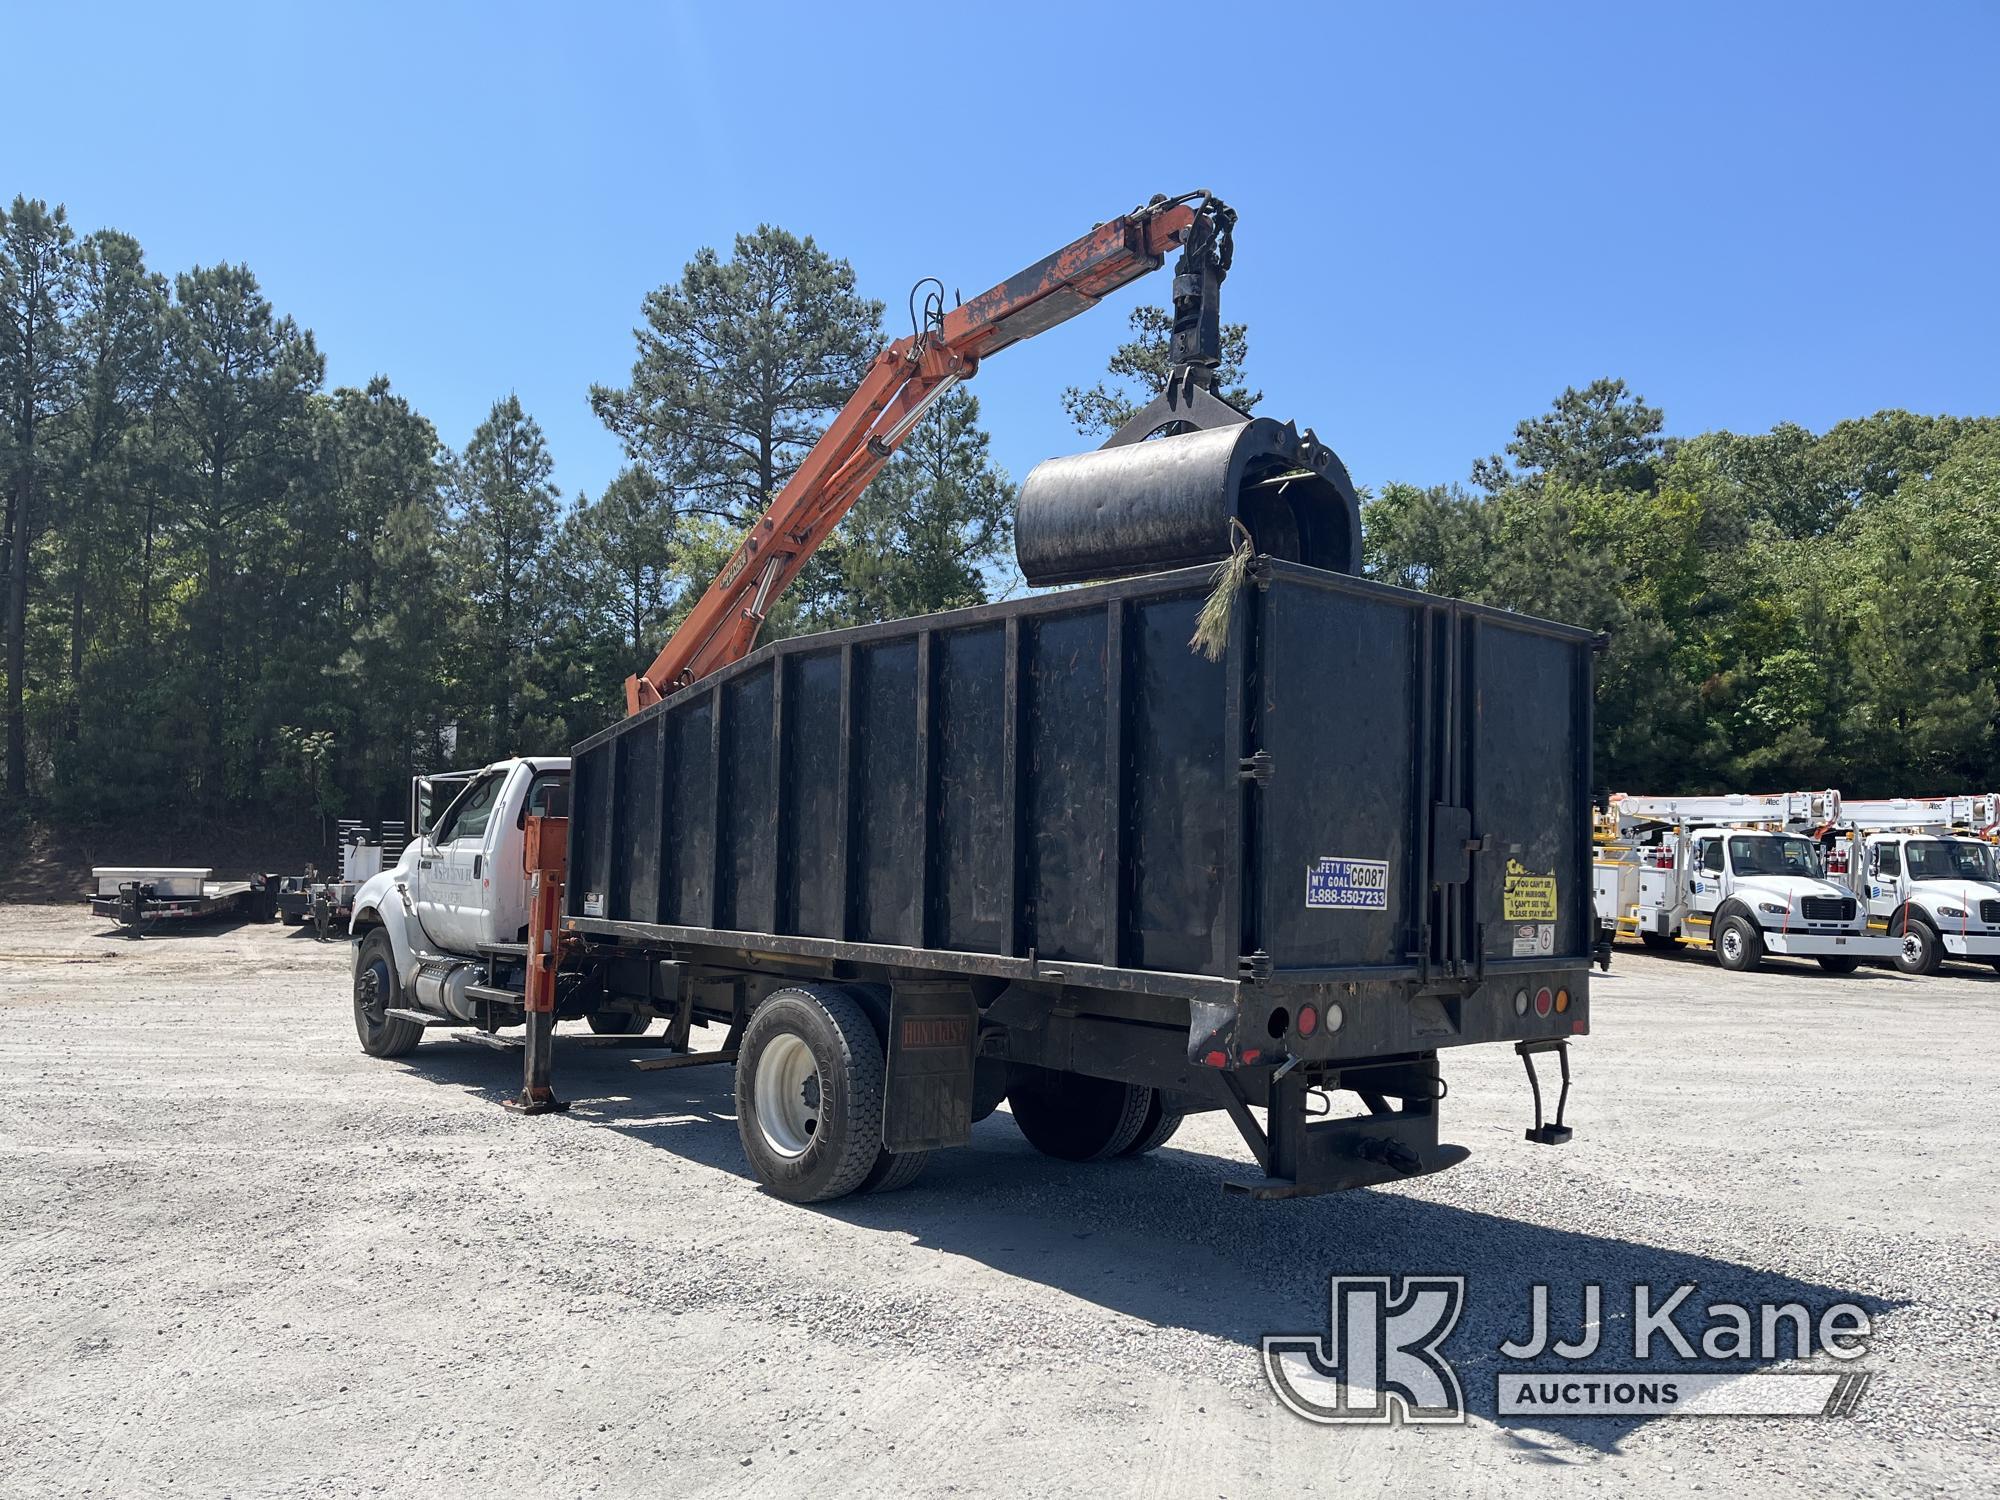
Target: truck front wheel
1076 1117
1918 950
809 1093
376 993
1739 946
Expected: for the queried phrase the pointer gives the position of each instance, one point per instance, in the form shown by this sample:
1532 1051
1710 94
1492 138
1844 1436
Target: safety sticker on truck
1535 940
593 903
1349 884
1527 897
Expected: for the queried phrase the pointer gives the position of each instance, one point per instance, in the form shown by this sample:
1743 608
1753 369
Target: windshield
1948 859
1770 854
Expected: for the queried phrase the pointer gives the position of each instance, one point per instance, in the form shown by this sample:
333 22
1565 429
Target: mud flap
927 1102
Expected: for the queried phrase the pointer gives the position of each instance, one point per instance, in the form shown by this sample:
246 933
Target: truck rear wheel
1838 963
1157 1128
809 1094
616 1023
1659 942
1076 1117
894 1170
1919 951
1739 946
376 993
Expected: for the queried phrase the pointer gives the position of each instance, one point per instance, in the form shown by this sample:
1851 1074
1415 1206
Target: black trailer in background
1049 840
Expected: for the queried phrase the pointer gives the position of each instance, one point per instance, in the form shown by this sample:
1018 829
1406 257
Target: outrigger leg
547 861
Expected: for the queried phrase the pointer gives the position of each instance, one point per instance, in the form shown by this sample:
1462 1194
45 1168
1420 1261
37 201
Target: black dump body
1375 805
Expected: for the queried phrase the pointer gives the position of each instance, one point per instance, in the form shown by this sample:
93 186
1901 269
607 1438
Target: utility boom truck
1924 868
1044 851
1738 874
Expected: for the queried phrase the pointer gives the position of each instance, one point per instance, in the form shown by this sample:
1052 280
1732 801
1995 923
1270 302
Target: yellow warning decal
1527 897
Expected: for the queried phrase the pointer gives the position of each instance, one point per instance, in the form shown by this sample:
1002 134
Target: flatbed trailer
138 897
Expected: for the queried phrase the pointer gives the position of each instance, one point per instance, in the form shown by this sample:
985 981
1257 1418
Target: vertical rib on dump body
1374 792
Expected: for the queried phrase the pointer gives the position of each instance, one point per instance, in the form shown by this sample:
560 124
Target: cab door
1705 875
451 865
1885 876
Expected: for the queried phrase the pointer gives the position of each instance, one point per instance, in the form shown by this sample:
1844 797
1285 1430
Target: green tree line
226 588
1785 609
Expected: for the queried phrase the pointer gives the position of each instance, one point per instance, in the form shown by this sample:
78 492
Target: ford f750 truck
1228 829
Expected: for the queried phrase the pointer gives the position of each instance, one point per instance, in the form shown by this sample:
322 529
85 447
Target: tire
990 1082
1921 952
616 1023
1838 963
1659 942
1739 946
1074 1117
1996 964
1157 1128
894 1170
292 918
809 1094
376 991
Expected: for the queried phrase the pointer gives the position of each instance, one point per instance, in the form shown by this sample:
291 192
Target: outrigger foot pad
526 1103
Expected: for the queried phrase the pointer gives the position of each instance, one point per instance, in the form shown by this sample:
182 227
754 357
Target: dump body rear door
1426 811
1526 780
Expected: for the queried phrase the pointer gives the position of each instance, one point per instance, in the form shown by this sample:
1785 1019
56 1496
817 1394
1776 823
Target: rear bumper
1270 1024
1829 945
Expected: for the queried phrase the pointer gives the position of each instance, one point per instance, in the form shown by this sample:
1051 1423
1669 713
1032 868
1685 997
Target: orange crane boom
899 387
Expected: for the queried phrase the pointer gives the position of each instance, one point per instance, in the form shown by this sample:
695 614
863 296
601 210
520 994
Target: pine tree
39 269
933 525
503 516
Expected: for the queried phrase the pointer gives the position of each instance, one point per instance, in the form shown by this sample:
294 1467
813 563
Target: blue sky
1751 213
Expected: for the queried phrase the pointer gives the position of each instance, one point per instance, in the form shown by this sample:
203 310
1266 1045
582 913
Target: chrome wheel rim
790 1093
1913 949
1732 944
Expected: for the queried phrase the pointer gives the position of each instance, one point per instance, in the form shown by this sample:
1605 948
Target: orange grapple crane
907 377
901 384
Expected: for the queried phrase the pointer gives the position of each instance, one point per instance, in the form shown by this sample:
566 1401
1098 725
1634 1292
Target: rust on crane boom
898 388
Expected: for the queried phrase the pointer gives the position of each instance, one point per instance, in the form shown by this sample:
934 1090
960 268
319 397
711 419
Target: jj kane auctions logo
1381 1358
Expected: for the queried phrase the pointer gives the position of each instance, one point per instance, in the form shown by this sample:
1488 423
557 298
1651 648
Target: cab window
1711 856
1891 862
542 793
468 816
1772 854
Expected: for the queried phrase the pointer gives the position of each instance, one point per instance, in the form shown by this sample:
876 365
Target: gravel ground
237 1257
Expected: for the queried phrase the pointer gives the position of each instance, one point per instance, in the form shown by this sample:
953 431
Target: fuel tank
1165 503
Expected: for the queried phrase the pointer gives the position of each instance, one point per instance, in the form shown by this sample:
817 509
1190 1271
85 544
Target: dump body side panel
1059 788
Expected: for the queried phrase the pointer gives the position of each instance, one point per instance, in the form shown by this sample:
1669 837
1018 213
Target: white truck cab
1667 874
1927 874
459 894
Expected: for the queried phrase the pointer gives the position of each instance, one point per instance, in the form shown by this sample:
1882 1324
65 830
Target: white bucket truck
1925 869
1739 874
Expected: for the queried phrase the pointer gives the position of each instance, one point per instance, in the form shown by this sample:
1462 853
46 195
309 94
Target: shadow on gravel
179 928
1158 1240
